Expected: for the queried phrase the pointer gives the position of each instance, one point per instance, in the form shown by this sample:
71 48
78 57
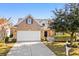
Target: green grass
66 35
62 36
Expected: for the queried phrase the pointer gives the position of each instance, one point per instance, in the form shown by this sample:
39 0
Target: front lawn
64 37
58 46
5 48
61 37
74 52
59 49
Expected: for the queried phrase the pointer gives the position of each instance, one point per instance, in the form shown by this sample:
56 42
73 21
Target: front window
29 21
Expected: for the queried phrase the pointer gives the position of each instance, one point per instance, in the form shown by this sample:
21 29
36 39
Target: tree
59 23
73 19
67 19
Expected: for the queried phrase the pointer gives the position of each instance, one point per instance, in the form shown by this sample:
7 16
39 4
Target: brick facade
23 26
35 26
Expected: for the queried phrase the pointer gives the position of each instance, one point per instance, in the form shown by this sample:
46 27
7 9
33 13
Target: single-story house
29 27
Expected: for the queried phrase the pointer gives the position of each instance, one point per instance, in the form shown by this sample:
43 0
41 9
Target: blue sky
37 10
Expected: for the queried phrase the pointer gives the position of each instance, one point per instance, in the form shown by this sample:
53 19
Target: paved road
30 49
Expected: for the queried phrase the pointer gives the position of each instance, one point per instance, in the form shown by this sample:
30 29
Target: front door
45 33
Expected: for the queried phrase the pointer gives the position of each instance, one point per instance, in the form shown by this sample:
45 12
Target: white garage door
28 36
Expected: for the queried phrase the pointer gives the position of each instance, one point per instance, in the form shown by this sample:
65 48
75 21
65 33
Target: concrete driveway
30 49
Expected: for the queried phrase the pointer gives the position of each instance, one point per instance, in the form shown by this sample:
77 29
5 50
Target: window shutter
29 21
32 21
26 21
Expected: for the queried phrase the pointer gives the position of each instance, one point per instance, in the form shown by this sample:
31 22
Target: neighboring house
30 24
4 28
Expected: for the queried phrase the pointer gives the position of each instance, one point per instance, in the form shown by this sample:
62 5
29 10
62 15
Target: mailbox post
67 49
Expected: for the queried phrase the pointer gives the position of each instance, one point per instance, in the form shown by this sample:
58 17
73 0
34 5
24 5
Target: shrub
11 35
42 40
75 45
6 39
13 40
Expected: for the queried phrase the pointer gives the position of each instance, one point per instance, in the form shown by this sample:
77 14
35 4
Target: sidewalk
50 39
30 49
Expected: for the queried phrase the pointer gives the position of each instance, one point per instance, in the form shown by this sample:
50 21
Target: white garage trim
27 36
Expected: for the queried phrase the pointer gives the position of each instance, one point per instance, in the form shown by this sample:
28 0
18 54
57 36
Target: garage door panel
28 36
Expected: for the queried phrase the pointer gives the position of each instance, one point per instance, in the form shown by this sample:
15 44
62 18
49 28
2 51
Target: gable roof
22 19
39 21
21 25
